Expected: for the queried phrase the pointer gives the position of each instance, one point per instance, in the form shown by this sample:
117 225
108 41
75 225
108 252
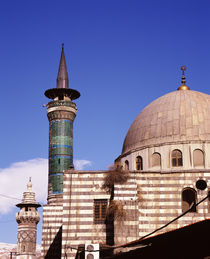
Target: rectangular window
100 207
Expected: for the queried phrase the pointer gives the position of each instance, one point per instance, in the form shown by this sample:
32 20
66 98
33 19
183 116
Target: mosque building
163 172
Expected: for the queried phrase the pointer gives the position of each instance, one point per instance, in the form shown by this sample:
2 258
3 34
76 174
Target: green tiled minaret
61 113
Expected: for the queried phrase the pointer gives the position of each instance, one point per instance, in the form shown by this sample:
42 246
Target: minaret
61 113
27 220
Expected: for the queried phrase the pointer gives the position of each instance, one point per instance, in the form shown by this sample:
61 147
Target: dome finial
183 86
183 68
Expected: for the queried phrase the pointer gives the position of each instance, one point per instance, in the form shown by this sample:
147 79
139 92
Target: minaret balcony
27 216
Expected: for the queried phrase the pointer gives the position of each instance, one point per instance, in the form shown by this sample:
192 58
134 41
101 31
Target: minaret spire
62 78
62 89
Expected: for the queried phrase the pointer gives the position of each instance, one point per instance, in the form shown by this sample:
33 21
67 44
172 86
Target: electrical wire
132 243
151 233
14 198
9 197
167 224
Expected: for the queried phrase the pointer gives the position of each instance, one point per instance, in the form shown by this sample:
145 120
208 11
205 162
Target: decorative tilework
60 152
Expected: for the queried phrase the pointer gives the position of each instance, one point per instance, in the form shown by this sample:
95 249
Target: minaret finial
62 78
183 86
29 185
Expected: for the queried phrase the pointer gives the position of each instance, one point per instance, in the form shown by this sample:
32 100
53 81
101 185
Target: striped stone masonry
151 199
80 190
147 201
52 231
160 200
126 227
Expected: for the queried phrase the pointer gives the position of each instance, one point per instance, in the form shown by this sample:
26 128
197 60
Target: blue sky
120 54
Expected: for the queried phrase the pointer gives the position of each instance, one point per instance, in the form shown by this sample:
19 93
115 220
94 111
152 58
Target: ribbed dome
175 117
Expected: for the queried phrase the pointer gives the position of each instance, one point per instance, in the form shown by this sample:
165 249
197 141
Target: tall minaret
61 113
27 220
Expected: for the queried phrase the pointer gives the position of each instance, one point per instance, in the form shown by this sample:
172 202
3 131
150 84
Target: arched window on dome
126 165
189 197
177 158
156 160
139 163
198 158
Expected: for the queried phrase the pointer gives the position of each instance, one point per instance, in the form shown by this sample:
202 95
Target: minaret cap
62 87
28 199
183 86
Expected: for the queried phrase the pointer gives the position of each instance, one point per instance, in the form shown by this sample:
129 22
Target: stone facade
52 231
157 200
81 188
147 200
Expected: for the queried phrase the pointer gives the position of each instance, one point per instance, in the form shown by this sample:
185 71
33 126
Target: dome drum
193 156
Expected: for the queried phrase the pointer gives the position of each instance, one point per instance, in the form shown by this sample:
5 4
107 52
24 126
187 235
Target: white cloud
81 164
14 179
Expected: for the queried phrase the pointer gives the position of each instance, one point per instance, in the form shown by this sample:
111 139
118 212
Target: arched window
156 159
139 163
198 158
189 197
126 165
177 158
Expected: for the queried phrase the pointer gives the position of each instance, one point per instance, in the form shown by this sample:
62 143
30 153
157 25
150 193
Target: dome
179 116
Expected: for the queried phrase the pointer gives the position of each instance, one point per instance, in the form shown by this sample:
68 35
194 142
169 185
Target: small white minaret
27 220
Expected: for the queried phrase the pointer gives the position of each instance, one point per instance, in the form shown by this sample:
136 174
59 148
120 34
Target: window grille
100 207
